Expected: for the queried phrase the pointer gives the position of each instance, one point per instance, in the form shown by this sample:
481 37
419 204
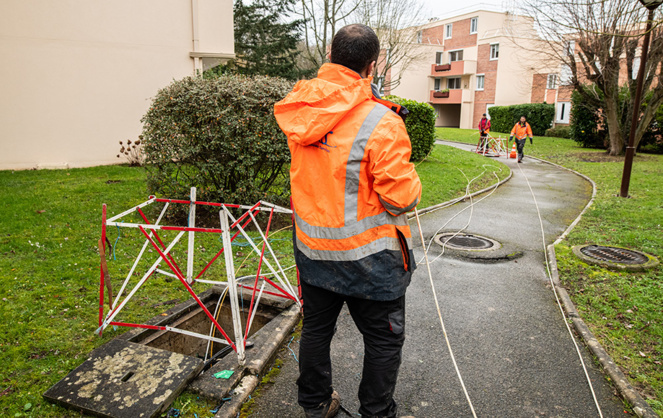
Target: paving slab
507 332
122 379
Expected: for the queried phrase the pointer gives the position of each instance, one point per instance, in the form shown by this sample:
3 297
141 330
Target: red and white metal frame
281 285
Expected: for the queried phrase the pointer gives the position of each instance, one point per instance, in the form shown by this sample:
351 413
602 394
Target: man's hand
530 141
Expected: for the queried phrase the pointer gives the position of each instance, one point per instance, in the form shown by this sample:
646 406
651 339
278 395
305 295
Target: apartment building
78 75
468 63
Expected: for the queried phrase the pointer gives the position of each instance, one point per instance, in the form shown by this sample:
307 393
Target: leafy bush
652 139
559 132
584 123
538 115
218 134
420 125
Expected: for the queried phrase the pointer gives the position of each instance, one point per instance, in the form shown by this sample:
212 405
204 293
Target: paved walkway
513 350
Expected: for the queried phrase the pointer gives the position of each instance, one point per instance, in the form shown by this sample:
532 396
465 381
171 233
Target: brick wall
460 35
489 69
564 93
539 88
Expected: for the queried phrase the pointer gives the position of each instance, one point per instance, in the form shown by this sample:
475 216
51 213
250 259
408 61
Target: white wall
77 75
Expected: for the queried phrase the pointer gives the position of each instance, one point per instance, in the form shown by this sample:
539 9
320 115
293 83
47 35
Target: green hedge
420 125
220 135
559 132
584 123
538 115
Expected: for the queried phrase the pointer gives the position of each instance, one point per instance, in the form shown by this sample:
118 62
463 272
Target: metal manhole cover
614 254
467 242
615 257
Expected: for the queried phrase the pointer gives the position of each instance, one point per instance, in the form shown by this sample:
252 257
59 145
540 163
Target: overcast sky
444 8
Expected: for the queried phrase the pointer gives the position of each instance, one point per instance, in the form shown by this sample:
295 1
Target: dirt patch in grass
604 157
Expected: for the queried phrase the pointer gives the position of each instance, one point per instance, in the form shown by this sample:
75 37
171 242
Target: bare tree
597 40
322 18
394 22
390 19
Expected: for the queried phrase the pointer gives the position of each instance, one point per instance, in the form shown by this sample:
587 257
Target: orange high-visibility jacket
352 183
521 132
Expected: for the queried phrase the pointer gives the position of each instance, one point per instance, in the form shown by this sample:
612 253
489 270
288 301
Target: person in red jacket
352 183
484 128
521 130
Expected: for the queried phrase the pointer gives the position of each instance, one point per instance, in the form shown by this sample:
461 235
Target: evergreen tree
263 43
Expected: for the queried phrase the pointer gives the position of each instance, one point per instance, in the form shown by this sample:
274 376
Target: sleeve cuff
394 210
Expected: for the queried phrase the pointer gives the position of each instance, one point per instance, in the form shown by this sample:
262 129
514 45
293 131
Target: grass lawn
49 268
624 310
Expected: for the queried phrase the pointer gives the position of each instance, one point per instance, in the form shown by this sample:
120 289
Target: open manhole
140 372
466 242
615 257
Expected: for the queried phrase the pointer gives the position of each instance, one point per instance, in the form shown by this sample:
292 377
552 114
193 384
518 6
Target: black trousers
382 325
520 144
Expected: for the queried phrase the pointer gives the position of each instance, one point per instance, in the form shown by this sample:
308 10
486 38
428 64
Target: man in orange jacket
352 184
521 130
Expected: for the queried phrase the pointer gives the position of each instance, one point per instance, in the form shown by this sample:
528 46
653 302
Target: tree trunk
614 132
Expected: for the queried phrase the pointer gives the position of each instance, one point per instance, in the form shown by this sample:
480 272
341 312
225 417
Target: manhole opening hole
614 254
467 242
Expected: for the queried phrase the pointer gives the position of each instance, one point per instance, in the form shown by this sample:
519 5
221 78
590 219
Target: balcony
456 68
454 96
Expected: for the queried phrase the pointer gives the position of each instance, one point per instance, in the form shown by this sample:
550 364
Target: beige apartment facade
76 76
469 63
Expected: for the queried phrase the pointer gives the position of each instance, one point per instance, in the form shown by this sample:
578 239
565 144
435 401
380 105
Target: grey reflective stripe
347 231
396 209
355 254
354 161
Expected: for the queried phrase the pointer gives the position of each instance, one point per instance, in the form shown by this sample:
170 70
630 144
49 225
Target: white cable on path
559 303
439 314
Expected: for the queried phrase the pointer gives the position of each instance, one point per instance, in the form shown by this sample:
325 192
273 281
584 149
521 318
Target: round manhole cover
615 257
614 254
467 242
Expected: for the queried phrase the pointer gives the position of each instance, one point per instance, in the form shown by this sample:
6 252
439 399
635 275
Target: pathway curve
512 347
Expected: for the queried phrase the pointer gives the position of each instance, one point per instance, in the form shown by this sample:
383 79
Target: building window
437 84
636 68
563 112
456 55
480 81
473 25
570 47
565 76
552 81
419 37
438 58
447 31
494 51
453 83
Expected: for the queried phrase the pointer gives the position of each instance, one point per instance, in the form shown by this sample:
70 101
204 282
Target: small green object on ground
224 374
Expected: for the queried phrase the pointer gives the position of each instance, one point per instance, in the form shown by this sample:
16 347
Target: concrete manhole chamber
615 257
466 242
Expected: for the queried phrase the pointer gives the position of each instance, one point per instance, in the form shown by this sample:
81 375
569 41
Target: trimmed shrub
559 132
220 135
538 115
420 125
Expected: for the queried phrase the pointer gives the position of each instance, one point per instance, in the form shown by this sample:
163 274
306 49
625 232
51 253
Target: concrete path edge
626 390
250 380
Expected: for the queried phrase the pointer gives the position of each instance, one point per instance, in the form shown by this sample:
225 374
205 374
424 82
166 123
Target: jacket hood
314 107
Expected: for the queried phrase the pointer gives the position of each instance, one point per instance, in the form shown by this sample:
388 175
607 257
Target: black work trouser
382 325
520 144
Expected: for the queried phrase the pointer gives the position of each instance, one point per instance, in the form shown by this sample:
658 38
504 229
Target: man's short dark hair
355 46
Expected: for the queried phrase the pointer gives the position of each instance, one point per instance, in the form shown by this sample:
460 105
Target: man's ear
370 68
